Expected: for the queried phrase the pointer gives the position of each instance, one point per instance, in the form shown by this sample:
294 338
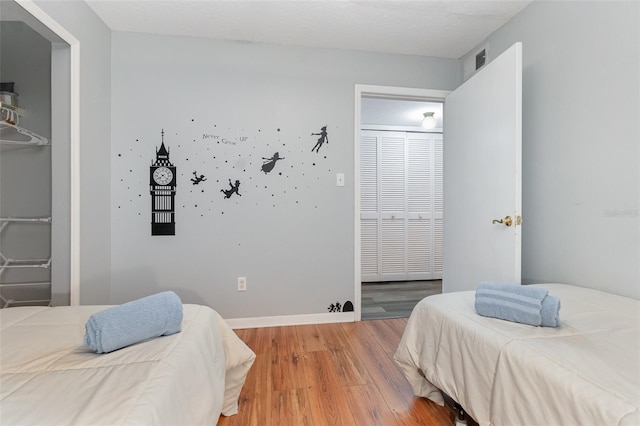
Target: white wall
95 118
291 232
581 133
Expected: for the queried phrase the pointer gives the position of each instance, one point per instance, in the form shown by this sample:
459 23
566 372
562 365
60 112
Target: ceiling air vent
481 57
475 61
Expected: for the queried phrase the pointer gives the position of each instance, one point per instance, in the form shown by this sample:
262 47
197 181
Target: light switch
339 179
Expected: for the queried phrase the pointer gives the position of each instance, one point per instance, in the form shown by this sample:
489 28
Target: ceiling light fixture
429 121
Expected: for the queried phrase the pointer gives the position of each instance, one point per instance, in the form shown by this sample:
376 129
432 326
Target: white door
424 206
482 176
392 195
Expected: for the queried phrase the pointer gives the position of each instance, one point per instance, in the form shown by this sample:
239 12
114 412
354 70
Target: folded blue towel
132 322
550 312
518 303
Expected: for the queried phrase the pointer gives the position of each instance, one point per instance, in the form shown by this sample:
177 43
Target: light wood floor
330 374
395 299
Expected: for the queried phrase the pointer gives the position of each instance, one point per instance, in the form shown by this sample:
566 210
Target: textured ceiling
446 29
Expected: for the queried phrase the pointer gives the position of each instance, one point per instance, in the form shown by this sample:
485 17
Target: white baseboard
281 320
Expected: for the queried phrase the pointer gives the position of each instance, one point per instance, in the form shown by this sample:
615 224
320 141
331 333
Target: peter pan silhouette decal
322 139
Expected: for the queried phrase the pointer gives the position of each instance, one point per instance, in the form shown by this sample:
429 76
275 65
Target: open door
482 176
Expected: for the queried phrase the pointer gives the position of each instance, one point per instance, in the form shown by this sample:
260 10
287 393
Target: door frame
390 92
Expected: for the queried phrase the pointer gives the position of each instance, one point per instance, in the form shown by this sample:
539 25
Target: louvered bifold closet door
369 235
420 185
401 202
438 205
392 197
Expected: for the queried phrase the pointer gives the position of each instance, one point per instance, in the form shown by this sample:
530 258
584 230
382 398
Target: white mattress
48 377
584 372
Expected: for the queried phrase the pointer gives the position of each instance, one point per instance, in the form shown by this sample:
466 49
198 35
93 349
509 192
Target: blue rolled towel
517 303
132 322
550 312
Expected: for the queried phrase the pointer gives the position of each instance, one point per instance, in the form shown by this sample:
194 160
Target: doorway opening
60 122
394 232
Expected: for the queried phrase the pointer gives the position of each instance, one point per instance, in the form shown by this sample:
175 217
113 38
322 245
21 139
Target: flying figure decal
197 179
234 189
322 139
270 163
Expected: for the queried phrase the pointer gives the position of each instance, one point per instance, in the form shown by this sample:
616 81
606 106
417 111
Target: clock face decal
162 176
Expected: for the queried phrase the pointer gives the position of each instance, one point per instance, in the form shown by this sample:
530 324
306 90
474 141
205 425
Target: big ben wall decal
162 176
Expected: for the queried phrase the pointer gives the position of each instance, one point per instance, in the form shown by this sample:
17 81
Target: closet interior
25 166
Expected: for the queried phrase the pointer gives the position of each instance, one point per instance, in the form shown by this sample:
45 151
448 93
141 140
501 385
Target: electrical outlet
242 283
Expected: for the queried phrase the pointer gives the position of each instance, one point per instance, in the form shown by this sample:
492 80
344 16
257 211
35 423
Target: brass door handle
507 221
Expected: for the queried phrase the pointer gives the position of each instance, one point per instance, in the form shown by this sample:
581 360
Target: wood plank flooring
330 374
395 299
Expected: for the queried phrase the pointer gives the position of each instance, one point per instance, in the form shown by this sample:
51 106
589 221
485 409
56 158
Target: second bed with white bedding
584 372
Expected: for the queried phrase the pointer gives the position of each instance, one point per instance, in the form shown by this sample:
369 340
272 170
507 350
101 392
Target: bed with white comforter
48 377
584 372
